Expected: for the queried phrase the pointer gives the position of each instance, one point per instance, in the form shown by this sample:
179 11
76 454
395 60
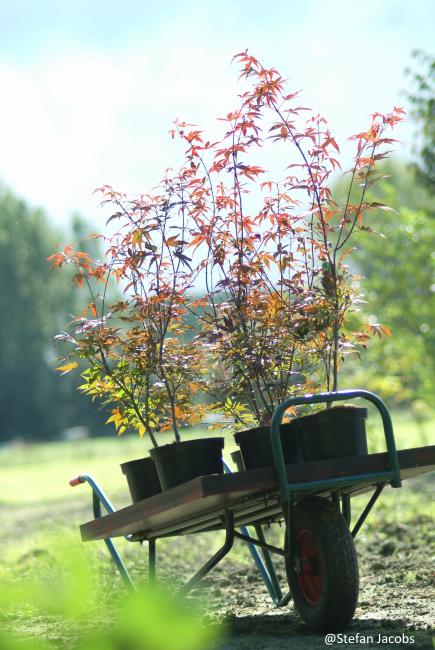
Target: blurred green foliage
398 283
422 99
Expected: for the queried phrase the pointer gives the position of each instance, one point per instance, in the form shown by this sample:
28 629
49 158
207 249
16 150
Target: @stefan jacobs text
366 639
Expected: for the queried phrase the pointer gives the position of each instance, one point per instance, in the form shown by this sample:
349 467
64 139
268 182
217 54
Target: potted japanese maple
278 287
140 362
339 431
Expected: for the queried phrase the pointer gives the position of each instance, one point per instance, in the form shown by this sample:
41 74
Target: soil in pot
337 432
256 446
182 461
142 478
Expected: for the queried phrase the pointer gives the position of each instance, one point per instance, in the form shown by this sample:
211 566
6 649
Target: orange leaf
173 241
78 279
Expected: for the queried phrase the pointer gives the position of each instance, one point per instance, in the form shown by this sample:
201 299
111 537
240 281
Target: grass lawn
37 503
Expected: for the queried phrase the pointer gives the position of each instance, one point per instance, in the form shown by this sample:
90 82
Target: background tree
422 98
33 304
399 286
399 269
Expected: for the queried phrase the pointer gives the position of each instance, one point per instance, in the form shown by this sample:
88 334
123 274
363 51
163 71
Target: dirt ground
397 598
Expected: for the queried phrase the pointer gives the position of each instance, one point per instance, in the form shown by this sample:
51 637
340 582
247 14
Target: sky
89 88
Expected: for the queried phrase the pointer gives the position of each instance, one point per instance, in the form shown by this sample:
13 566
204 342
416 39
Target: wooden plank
265 478
273 512
204 498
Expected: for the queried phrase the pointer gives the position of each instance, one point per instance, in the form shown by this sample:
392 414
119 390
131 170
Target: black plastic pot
236 457
256 446
336 432
142 478
182 461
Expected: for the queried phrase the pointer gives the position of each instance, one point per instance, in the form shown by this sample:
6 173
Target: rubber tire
338 565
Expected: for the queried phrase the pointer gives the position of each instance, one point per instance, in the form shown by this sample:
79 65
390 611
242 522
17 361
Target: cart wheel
323 578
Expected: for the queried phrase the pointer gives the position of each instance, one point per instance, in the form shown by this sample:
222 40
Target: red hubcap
310 574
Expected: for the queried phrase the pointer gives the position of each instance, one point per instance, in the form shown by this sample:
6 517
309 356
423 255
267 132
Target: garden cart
312 499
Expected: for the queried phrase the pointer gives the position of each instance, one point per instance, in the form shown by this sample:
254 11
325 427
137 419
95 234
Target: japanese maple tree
278 287
139 361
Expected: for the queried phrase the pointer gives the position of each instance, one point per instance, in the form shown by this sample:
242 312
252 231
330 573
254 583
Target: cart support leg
269 563
288 511
152 560
367 509
336 499
261 542
260 565
264 563
217 557
345 508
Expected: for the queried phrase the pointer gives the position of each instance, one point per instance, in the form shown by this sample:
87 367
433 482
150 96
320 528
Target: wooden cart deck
252 496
